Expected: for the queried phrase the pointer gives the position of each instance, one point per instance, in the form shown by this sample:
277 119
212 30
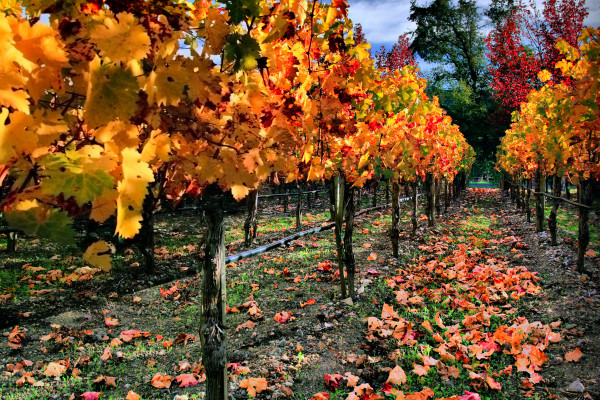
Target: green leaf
242 10
68 176
112 93
49 223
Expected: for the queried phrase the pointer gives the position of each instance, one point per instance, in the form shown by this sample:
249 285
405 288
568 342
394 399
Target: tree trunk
567 189
339 183
540 182
556 189
413 218
395 230
585 197
309 198
299 208
212 328
348 249
250 225
375 194
285 200
145 237
359 199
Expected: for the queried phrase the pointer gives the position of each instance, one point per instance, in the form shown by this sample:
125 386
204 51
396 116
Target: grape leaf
67 176
98 254
112 93
42 221
132 191
121 39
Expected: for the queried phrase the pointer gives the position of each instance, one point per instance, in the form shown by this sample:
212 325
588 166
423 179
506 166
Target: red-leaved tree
525 43
399 56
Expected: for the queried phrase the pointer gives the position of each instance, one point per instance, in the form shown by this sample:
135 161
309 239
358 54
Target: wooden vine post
540 187
430 205
413 218
349 260
251 223
584 217
528 200
338 195
213 298
394 230
299 207
556 189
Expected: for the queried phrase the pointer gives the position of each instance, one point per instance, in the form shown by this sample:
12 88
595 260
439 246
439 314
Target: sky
384 20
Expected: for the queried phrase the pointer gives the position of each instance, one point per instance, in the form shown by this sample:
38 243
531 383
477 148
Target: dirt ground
325 334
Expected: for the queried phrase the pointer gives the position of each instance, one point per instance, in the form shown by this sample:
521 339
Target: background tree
449 35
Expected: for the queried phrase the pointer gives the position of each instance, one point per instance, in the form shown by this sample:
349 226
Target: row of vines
556 133
112 106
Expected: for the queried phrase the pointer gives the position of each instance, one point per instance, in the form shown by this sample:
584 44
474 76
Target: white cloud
382 21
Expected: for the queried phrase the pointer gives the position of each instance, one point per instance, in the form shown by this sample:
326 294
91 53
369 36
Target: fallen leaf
573 355
419 369
91 395
55 369
352 379
309 302
106 380
187 380
131 395
282 317
246 325
397 376
161 381
254 385
372 257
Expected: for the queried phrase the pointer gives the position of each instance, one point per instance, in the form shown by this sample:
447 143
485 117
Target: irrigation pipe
287 239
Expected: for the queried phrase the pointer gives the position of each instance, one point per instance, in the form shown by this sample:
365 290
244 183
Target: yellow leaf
104 206
98 254
544 75
132 191
121 39
15 138
239 191
112 93
216 31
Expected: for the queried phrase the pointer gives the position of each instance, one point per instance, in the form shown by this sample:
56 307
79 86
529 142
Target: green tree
449 34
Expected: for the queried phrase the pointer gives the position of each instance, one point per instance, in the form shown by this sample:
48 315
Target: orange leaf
372 257
397 376
55 369
419 369
246 325
573 355
311 301
320 396
254 385
111 321
131 395
438 321
352 379
161 381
